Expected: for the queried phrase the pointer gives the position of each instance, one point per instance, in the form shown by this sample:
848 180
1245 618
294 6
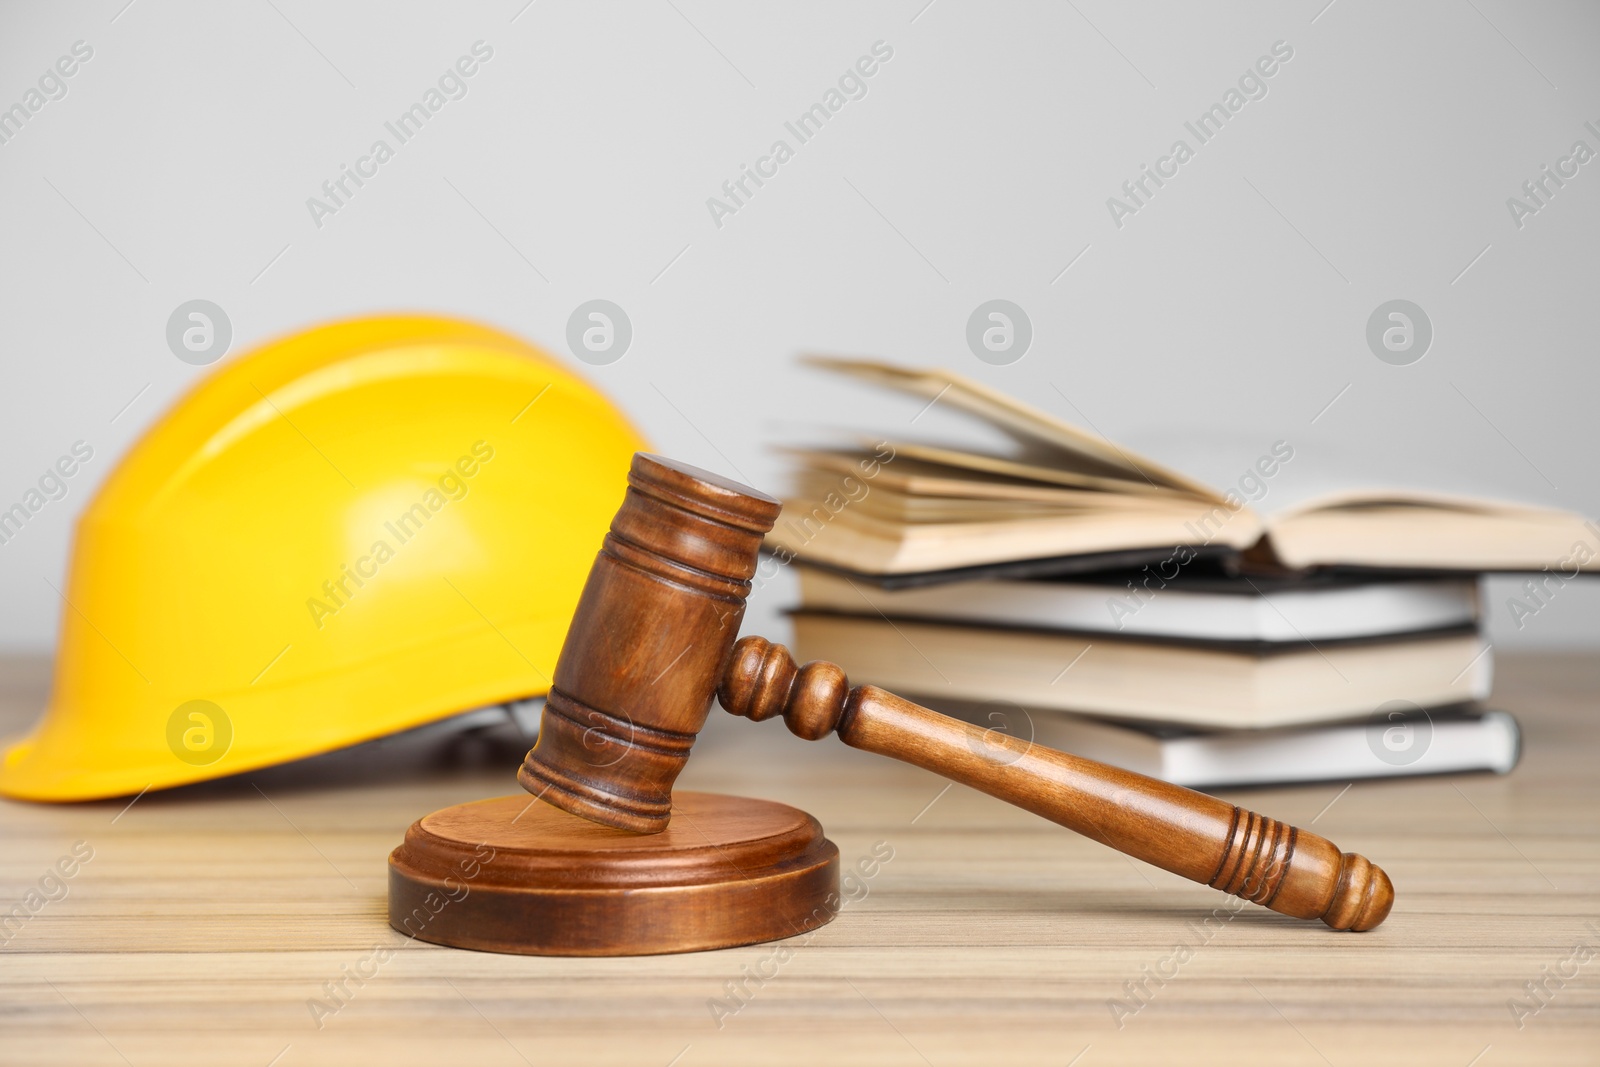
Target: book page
1294 474
920 477
1034 472
1043 439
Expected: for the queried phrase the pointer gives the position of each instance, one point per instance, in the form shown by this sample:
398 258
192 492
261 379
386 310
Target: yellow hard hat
352 531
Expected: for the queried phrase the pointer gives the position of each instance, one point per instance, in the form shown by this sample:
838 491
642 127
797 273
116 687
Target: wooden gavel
653 640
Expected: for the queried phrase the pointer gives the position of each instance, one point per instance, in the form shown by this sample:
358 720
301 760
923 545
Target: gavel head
649 643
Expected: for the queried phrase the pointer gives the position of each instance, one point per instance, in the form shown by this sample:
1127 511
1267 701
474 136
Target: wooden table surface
210 919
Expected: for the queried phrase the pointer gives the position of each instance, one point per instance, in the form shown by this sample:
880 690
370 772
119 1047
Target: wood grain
651 635
1193 835
511 874
210 917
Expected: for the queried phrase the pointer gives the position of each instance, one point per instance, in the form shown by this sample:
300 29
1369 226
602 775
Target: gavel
653 640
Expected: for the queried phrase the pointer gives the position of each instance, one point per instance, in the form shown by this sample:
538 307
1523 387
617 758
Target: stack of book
1093 600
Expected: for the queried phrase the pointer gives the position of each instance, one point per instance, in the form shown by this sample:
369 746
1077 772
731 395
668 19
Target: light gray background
1225 315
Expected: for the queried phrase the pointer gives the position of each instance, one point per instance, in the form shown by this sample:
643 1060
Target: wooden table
211 919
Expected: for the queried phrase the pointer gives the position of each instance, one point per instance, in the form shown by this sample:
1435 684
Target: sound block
514 874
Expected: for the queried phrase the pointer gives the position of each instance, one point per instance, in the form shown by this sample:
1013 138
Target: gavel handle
1191 834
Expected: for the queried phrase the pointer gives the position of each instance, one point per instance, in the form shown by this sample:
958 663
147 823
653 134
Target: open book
1062 499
